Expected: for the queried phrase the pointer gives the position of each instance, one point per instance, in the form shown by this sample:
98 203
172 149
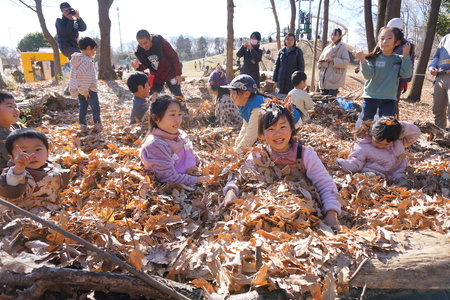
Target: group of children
168 153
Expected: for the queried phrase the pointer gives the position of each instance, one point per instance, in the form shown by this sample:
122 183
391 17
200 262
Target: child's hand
21 161
205 178
406 49
359 54
433 71
331 219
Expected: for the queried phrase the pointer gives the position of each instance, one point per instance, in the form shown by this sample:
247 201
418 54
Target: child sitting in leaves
381 149
167 150
281 156
31 182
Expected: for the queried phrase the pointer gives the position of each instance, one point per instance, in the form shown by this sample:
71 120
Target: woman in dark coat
252 56
289 60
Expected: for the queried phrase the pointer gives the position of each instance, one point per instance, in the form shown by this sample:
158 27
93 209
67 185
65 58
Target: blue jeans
330 92
369 108
93 103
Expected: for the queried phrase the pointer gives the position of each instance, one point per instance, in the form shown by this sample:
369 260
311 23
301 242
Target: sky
171 18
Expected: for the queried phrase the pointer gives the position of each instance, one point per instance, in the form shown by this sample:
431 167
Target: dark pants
370 107
175 89
68 51
93 103
329 92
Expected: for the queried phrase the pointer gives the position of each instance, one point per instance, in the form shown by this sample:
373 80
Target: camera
71 11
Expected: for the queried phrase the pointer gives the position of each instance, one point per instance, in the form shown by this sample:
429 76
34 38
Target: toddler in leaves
280 156
381 149
30 181
167 150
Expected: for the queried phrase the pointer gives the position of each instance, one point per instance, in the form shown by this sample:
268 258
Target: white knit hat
395 22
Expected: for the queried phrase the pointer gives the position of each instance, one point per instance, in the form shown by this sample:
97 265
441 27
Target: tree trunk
392 10
293 16
230 40
369 25
422 266
105 70
381 18
326 7
313 66
3 84
277 23
421 69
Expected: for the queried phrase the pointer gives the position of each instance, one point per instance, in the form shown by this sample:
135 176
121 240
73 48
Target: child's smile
172 119
278 135
31 146
9 113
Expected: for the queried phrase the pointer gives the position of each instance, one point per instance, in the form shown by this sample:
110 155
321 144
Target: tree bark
423 266
392 10
293 16
419 74
277 23
326 14
381 18
105 70
230 39
3 84
313 66
369 25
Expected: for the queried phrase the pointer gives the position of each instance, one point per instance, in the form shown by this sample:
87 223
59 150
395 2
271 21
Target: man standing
157 55
67 28
440 67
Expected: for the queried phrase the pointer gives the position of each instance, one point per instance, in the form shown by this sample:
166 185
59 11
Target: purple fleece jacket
389 162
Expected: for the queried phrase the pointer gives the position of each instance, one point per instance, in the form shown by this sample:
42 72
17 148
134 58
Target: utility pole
120 31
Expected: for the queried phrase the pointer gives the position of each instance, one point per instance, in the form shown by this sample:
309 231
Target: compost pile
273 237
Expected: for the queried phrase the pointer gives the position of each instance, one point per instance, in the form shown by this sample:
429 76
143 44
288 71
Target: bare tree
326 14
293 16
277 22
230 39
392 10
105 70
313 67
418 78
56 59
369 25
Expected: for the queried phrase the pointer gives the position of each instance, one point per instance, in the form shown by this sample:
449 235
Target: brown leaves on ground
178 231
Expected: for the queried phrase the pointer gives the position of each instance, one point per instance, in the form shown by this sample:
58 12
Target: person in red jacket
157 55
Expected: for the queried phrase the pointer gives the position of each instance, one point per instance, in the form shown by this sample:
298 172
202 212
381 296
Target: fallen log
424 265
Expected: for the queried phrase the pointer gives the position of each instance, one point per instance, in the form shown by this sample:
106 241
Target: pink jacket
388 163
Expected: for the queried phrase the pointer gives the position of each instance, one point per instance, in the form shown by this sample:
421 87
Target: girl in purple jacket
276 127
167 151
382 149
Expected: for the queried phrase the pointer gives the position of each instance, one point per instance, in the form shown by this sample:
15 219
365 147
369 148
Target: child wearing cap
244 92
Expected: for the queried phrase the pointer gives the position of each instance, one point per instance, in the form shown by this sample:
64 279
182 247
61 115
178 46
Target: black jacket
285 65
251 61
67 31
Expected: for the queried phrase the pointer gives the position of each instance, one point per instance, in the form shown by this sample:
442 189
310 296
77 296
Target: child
382 150
83 82
138 85
276 128
382 69
167 151
9 115
31 183
299 97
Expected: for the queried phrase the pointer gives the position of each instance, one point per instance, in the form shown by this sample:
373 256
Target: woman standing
289 60
332 65
252 56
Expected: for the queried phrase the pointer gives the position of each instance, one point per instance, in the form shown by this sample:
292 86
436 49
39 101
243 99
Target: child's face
9 114
90 51
172 119
278 135
387 42
143 91
301 85
30 146
383 144
239 99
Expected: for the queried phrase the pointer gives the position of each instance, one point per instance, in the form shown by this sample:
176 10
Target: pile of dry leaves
271 238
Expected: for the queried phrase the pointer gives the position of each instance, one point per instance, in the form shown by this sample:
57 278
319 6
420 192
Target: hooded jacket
332 74
83 76
288 61
67 31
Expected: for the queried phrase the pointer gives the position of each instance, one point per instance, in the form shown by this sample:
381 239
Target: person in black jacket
252 56
68 28
289 60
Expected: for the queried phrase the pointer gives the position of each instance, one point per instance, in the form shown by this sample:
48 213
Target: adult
252 56
68 28
226 112
332 64
157 55
403 84
289 60
440 67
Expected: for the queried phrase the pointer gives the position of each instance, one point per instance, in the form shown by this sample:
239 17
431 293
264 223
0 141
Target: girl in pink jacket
382 150
167 150
282 157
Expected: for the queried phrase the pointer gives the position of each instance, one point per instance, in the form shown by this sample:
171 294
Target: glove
404 86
